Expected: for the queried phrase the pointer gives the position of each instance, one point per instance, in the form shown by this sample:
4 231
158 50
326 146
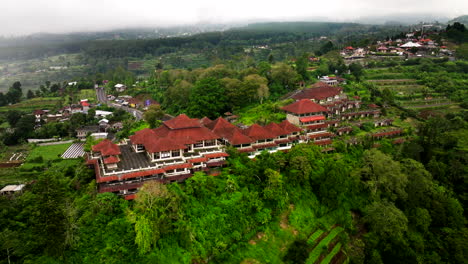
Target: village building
12 189
83 132
311 117
331 97
120 87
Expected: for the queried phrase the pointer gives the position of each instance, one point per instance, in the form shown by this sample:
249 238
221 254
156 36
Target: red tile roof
321 134
111 160
222 127
107 148
323 142
198 160
304 106
205 121
142 136
237 138
288 127
311 118
107 179
276 129
319 91
216 155
39 112
257 132
182 121
153 144
142 173
178 166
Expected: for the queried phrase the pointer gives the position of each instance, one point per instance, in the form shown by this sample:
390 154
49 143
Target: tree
153 115
154 214
256 86
386 220
301 66
13 116
14 93
383 176
357 70
207 98
30 94
285 77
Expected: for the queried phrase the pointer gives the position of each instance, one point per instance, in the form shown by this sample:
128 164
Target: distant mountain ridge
461 19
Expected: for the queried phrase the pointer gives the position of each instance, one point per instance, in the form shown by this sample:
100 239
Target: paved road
101 95
102 98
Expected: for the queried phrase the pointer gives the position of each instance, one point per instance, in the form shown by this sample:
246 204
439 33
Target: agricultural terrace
33 104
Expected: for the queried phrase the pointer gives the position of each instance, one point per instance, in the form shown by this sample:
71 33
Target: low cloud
56 16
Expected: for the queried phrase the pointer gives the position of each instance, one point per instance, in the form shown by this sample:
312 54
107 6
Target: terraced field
325 247
33 104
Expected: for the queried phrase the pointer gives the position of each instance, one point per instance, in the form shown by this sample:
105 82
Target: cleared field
40 155
89 94
33 104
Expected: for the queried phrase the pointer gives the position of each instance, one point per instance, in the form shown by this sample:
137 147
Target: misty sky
19 17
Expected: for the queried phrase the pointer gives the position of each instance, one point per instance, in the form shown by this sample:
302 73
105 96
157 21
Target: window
166 154
175 153
209 143
140 147
199 144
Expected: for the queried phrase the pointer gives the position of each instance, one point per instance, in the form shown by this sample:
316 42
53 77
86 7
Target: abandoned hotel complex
182 146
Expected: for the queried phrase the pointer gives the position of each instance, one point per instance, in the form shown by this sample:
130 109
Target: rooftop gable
257 132
318 91
107 148
304 106
237 138
182 121
276 129
288 127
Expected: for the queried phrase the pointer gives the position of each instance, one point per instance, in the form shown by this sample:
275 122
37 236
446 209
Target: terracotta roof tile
276 129
182 121
257 132
111 160
304 106
216 155
178 166
237 138
288 127
198 160
107 148
319 91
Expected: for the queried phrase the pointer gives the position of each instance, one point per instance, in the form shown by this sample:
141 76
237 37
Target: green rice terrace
325 247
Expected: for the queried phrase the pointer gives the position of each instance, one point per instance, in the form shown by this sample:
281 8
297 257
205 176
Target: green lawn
48 153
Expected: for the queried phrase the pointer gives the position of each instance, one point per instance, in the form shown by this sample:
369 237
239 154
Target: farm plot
41 155
325 247
33 104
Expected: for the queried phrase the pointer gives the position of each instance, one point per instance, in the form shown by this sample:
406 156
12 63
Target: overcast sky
18 17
